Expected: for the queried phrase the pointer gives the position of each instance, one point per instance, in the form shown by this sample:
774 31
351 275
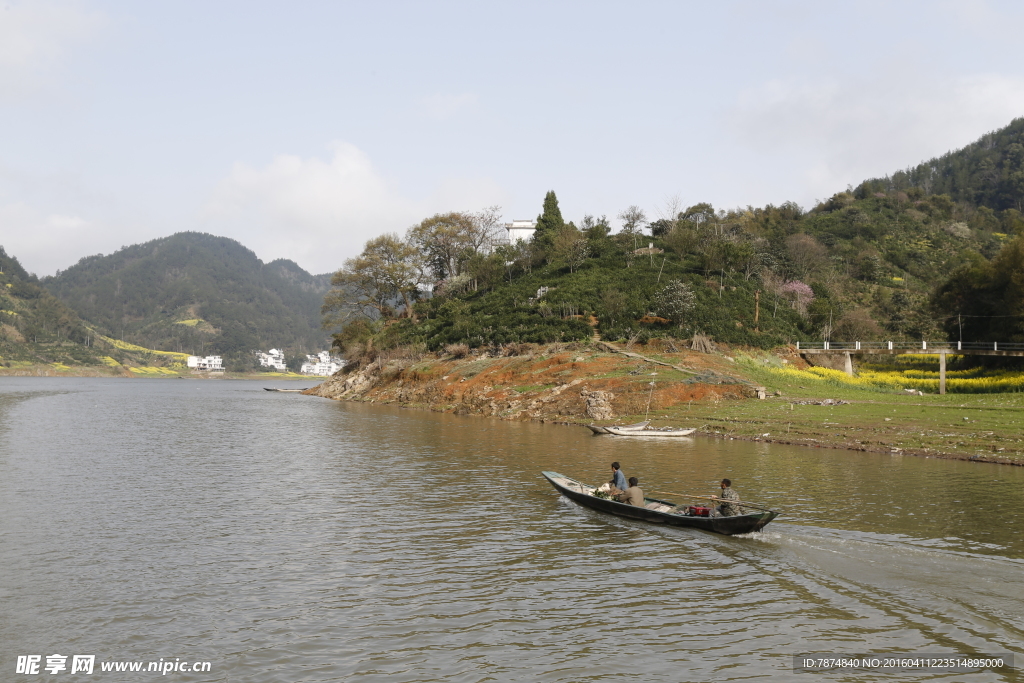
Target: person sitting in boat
618 480
727 508
634 495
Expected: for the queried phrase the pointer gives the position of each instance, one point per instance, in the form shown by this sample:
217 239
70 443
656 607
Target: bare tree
487 229
633 219
805 253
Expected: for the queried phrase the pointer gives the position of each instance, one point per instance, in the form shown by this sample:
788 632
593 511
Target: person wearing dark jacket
729 498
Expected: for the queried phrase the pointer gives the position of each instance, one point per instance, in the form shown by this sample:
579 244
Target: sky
303 129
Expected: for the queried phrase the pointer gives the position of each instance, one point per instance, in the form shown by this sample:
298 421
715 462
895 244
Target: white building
206 364
321 364
520 230
274 359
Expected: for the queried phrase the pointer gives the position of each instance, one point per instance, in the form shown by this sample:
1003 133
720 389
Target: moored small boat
285 391
661 511
598 429
617 431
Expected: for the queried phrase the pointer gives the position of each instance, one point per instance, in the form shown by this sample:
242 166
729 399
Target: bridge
922 348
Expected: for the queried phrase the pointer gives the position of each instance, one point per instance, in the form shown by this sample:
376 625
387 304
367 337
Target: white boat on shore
666 432
598 429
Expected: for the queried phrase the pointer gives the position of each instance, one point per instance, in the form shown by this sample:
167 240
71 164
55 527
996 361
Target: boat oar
734 502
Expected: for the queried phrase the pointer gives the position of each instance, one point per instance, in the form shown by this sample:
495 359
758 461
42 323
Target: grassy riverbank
983 427
714 392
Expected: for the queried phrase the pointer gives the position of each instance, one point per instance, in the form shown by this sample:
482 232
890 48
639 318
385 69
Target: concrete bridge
921 348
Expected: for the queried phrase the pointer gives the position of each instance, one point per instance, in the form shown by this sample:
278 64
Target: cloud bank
320 212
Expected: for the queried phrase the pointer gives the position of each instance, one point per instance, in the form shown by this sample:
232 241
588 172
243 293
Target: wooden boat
618 431
285 391
660 511
598 429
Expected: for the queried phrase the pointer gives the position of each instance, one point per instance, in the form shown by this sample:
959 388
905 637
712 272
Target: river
288 538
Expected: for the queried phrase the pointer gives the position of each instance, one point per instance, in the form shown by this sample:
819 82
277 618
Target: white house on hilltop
206 364
520 230
274 359
321 364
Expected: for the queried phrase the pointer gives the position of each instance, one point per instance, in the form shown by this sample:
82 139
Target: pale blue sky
302 129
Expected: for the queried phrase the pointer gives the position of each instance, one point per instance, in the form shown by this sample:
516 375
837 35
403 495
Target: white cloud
318 213
34 37
444 107
45 242
840 132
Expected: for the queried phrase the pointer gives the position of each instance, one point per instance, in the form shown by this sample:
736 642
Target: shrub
457 350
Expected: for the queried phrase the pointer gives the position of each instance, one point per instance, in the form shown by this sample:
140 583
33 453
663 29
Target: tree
595 228
614 304
799 293
699 214
675 301
805 253
633 219
371 283
444 241
984 301
661 227
682 239
549 223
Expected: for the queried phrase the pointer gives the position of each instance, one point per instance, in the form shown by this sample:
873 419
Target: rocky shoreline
564 383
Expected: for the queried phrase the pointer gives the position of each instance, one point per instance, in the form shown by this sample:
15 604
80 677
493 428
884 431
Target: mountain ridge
197 293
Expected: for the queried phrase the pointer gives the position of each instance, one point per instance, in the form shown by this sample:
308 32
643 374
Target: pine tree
549 223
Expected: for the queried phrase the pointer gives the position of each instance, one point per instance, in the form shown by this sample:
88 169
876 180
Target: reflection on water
288 538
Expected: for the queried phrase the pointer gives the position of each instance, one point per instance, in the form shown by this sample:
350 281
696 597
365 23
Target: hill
196 293
37 328
987 173
867 264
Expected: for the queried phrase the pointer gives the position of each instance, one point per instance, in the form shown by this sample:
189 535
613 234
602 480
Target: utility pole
757 309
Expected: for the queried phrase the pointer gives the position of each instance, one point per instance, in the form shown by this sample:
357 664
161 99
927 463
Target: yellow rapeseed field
970 381
125 346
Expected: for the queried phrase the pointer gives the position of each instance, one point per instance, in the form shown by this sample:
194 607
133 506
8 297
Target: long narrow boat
598 429
618 431
658 511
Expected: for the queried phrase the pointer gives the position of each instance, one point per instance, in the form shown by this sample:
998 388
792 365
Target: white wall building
321 364
206 363
520 230
274 359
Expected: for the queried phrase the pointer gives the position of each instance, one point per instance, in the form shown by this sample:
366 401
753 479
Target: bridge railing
910 347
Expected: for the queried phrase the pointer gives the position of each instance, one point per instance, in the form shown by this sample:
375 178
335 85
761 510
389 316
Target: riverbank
20 369
715 393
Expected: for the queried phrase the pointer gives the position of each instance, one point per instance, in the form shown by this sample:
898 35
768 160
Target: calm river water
288 538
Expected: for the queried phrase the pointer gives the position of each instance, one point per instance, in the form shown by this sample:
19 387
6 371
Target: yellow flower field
125 346
970 381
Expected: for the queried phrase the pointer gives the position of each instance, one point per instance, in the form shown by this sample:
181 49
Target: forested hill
933 252
986 173
196 293
35 327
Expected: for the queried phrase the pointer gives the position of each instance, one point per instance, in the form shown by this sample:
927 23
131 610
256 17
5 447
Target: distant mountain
199 294
35 327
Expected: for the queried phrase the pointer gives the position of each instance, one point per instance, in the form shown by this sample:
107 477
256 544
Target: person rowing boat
729 498
634 495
